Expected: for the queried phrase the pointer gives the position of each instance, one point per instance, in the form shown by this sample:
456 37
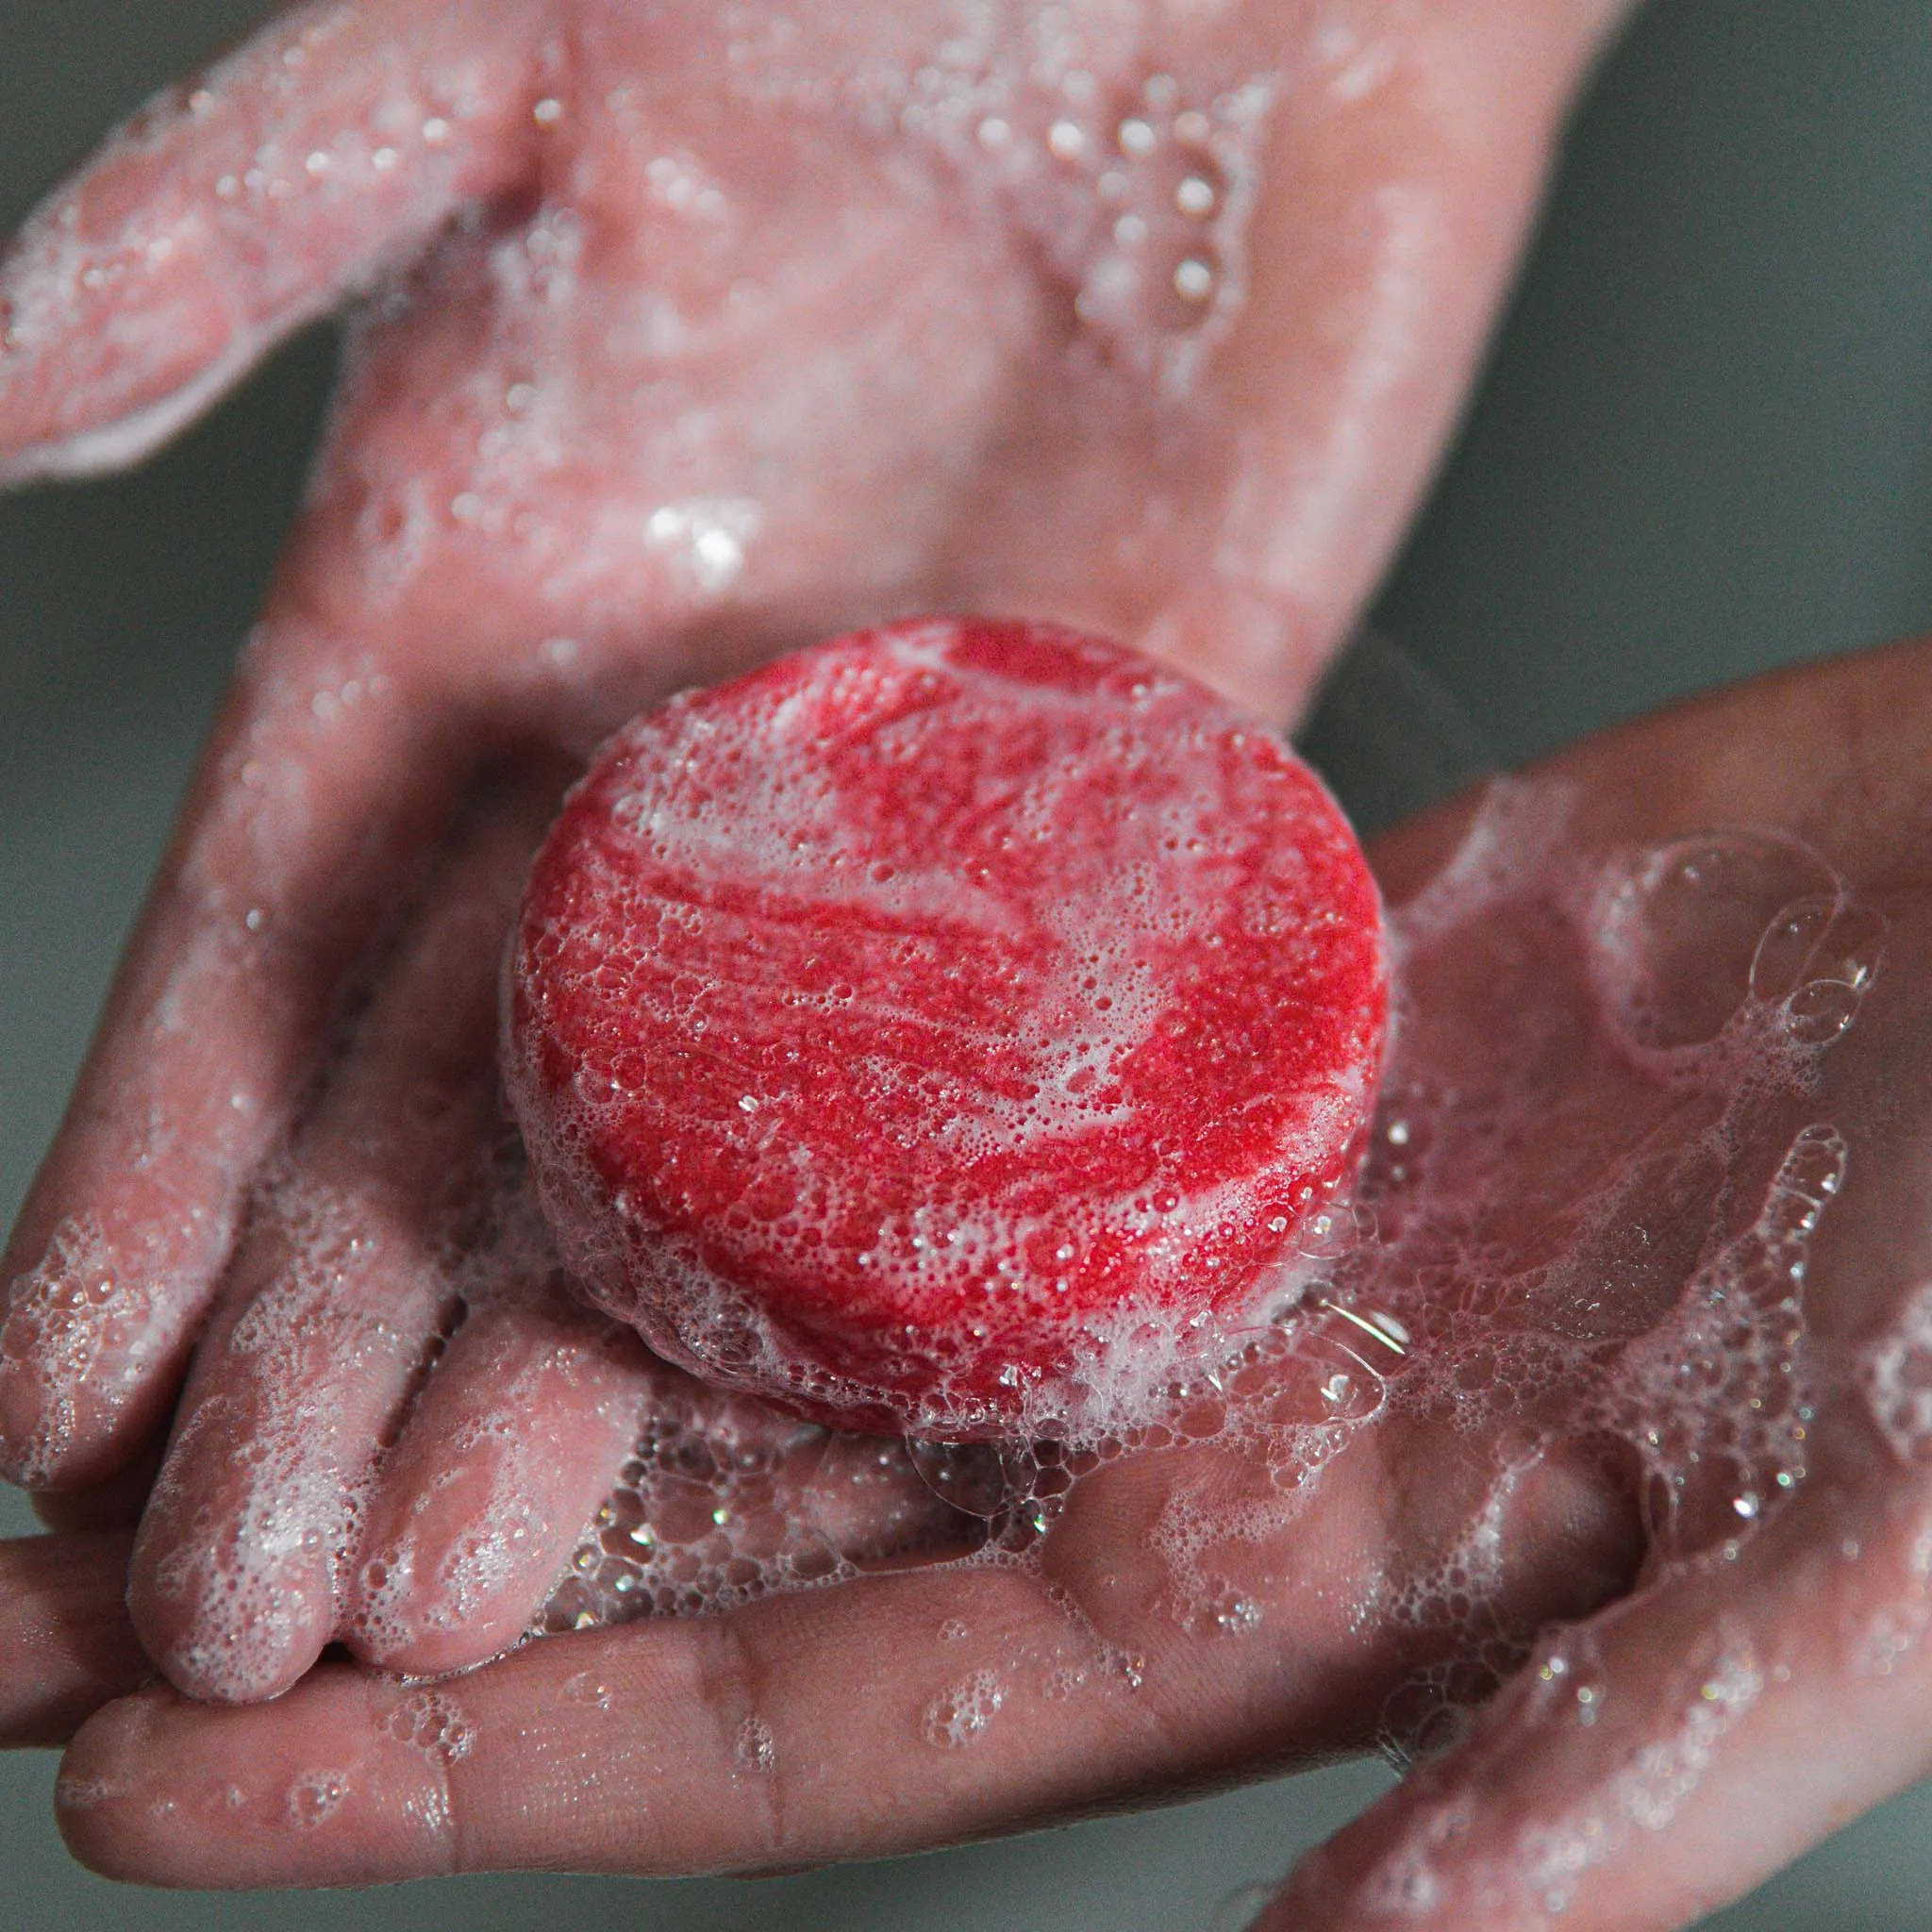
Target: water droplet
1818 1013
959 1715
1689 930
753 1746
587 1688
1068 140
1194 196
315 1796
1193 280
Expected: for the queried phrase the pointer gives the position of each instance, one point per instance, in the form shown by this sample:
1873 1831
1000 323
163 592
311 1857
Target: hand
1609 1351
683 348
1768 1680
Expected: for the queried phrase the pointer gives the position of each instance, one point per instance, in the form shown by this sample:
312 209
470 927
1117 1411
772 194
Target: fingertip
89 403
342 1782
23 1449
493 1632
91 1791
1367 1873
421 1603
212 1668
54 1437
113 1502
1264 649
452 1577
84 1377
518 1438
228 212
224 1626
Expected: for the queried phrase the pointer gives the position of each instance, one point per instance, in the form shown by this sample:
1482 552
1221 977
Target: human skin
1392 215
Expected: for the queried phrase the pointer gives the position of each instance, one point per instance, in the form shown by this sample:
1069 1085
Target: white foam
1897 1375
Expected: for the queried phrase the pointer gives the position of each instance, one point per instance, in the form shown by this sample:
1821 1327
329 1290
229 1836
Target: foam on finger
230 210
344 1286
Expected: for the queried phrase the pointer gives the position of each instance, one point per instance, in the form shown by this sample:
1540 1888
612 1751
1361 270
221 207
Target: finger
549 1446
676 1746
333 1307
519 1434
1670 1755
302 838
230 210
894 1712
1403 170
65 1635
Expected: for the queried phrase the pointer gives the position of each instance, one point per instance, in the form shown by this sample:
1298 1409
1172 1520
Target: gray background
1702 449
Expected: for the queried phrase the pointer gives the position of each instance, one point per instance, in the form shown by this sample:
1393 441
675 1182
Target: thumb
232 209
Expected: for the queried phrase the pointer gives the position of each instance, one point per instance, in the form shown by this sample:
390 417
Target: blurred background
1703 448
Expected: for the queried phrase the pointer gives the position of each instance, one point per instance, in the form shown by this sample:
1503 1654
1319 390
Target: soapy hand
1768 1680
1640 1320
689 335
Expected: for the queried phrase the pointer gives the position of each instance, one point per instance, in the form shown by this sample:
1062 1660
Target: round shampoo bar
944 1030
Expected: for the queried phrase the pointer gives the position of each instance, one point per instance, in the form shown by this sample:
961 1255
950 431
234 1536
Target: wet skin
430 665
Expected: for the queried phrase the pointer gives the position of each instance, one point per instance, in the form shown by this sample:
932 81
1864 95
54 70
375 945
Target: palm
761 321
731 362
